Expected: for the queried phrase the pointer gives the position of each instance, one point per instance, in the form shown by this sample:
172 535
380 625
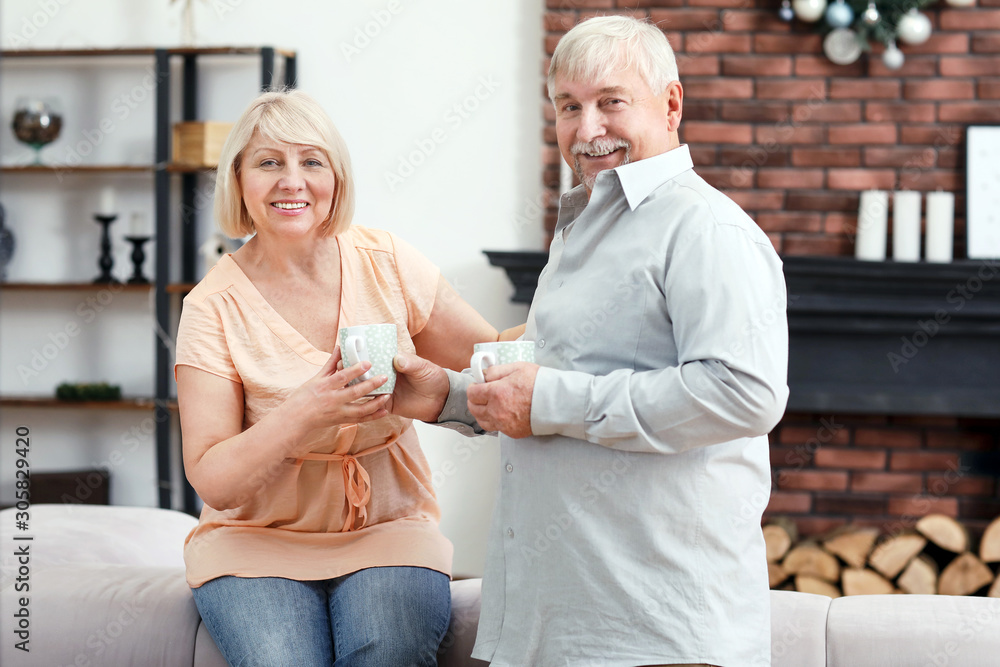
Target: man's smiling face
605 124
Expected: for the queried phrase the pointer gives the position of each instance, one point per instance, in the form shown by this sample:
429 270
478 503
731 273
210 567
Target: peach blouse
363 496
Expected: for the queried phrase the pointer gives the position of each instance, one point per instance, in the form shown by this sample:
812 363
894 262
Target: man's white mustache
600 146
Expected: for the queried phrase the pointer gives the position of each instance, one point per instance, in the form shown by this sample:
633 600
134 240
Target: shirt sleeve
418 279
201 341
455 414
725 294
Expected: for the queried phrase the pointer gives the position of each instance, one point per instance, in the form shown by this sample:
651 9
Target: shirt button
510 532
510 468
541 343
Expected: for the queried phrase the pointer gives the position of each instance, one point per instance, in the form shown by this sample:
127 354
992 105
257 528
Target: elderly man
635 458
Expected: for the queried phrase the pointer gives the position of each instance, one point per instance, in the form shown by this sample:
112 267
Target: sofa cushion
914 631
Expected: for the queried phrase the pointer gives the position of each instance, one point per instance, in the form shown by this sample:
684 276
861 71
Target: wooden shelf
78 169
172 288
74 287
76 53
99 169
108 53
136 403
175 168
227 51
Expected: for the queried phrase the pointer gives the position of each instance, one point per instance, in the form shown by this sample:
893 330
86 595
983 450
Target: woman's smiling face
286 186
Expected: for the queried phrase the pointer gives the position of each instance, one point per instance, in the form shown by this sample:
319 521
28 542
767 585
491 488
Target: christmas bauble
842 46
839 14
871 15
913 27
809 10
893 58
785 13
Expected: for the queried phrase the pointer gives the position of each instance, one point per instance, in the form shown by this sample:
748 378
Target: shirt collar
639 179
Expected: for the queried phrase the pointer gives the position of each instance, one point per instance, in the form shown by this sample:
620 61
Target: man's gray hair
601 46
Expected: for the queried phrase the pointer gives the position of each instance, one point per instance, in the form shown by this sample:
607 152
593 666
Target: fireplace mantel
874 337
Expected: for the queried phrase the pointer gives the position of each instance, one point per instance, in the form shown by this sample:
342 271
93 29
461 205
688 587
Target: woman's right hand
226 464
328 399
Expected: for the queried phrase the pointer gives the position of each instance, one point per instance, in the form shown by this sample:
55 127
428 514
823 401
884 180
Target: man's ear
675 102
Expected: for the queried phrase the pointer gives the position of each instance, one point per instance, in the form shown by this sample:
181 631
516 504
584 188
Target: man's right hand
421 388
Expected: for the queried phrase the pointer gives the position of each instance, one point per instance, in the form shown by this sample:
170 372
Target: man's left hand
503 402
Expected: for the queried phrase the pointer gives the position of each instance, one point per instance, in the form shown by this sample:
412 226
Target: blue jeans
377 617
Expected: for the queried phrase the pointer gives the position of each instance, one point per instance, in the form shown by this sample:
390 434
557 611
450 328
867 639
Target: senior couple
319 543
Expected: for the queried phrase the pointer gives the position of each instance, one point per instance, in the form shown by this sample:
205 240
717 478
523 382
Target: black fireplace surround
895 338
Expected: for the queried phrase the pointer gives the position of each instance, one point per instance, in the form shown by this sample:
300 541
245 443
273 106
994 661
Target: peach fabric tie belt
357 483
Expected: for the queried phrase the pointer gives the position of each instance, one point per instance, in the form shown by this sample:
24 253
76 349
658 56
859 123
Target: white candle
137 225
906 226
873 221
107 206
940 226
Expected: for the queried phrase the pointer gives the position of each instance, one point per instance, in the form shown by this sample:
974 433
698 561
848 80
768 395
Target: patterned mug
503 352
375 343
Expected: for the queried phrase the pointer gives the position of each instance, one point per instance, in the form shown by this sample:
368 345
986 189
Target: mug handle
480 362
356 351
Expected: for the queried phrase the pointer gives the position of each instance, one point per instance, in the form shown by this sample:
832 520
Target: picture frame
982 187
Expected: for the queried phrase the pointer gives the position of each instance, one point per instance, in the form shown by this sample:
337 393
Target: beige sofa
107 589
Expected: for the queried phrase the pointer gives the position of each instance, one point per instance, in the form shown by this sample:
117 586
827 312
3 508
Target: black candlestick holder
106 261
138 257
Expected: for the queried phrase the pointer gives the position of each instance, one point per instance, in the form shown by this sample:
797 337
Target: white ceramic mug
375 343
503 352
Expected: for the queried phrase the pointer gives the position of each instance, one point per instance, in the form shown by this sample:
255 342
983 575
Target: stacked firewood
934 557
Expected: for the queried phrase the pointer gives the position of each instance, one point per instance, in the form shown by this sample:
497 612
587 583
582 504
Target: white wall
440 103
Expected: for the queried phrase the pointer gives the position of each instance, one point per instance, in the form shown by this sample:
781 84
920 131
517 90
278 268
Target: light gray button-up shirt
627 528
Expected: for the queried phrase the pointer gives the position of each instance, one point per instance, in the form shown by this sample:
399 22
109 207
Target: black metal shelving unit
269 59
277 68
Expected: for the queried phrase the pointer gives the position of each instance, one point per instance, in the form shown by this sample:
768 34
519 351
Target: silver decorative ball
786 13
839 14
871 15
893 58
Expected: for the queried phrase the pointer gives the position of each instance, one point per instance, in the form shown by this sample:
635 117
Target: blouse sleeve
418 279
202 342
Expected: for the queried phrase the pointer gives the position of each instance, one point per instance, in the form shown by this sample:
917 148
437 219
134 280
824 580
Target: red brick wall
883 471
794 138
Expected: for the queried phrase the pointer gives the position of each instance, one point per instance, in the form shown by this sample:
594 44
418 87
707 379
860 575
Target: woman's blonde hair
598 47
289 116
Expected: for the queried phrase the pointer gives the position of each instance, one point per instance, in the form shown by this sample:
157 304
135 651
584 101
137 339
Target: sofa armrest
91 615
77 534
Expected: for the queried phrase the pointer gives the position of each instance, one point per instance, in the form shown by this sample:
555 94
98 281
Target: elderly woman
319 539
